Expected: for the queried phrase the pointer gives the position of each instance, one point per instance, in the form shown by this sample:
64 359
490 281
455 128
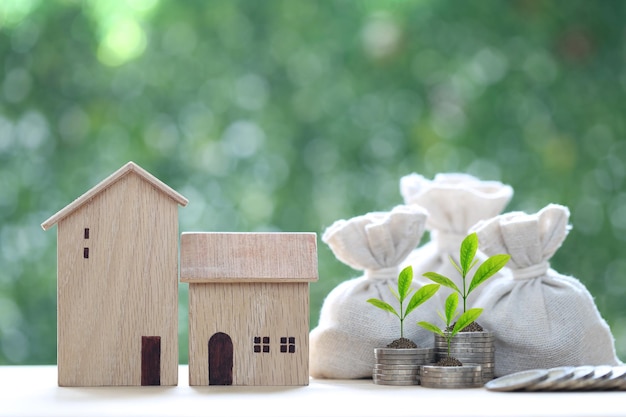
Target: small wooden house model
248 306
117 272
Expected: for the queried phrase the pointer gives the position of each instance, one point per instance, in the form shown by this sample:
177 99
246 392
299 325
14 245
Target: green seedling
402 293
468 260
462 322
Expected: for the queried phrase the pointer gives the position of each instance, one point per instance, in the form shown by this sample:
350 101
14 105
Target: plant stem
464 294
401 321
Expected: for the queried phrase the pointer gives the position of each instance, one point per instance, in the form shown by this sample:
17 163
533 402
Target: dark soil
449 361
402 343
472 327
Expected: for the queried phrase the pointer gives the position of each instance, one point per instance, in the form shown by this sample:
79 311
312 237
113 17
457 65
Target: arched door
220 359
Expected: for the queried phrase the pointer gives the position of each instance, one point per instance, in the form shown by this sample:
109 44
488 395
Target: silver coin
397 372
396 383
451 385
407 381
461 350
391 367
391 351
615 381
397 379
385 361
437 373
580 372
407 359
444 345
517 380
600 373
460 377
412 354
555 375
469 335
450 378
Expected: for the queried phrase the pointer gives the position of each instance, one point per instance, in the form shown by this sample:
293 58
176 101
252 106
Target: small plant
402 293
463 321
468 260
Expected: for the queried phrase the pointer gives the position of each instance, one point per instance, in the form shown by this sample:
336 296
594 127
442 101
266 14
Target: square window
288 344
261 344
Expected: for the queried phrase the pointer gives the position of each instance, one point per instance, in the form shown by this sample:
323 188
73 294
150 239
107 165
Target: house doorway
220 359
150 360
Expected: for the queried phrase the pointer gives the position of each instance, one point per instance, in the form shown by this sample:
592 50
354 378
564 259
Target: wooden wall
127 287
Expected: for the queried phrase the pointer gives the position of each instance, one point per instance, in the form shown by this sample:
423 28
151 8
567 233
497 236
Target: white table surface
32 391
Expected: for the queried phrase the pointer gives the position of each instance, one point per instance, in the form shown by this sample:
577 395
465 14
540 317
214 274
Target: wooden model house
248 306
117 272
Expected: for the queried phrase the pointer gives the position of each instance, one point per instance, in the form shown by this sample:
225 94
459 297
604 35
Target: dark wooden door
150 360
220 359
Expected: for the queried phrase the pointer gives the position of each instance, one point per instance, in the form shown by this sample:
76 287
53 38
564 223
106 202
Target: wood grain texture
126 289
254 287
128 168
245 311
248 257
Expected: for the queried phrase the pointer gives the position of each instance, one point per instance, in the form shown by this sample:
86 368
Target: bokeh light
286 116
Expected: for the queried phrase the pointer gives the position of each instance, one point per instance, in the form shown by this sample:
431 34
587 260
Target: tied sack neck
382 273
447 241
531 272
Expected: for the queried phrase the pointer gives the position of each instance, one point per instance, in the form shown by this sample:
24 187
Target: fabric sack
541 318
455 202
342 345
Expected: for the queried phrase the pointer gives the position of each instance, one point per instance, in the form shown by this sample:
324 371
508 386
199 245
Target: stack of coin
466 376
470 347
400 366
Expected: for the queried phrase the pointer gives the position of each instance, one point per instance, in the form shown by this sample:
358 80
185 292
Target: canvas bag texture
541 318
342 345
455 202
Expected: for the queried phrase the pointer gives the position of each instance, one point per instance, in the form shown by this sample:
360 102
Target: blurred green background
289 115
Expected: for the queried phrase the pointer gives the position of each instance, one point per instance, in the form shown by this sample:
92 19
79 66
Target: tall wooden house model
248 306
117 285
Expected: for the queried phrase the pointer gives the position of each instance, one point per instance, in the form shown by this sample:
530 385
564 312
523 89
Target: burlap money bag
541 318
342 345
454 202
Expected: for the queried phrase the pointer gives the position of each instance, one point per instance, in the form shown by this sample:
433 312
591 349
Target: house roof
130 167
248 257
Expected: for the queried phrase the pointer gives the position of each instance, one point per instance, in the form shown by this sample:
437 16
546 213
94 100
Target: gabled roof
130 167
213 257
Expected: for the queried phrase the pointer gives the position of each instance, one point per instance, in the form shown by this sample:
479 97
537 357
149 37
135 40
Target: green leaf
468 252
383 306
440 279
455 265
394 292
466 318
487 270
452 303
431 327
404 282
420 296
